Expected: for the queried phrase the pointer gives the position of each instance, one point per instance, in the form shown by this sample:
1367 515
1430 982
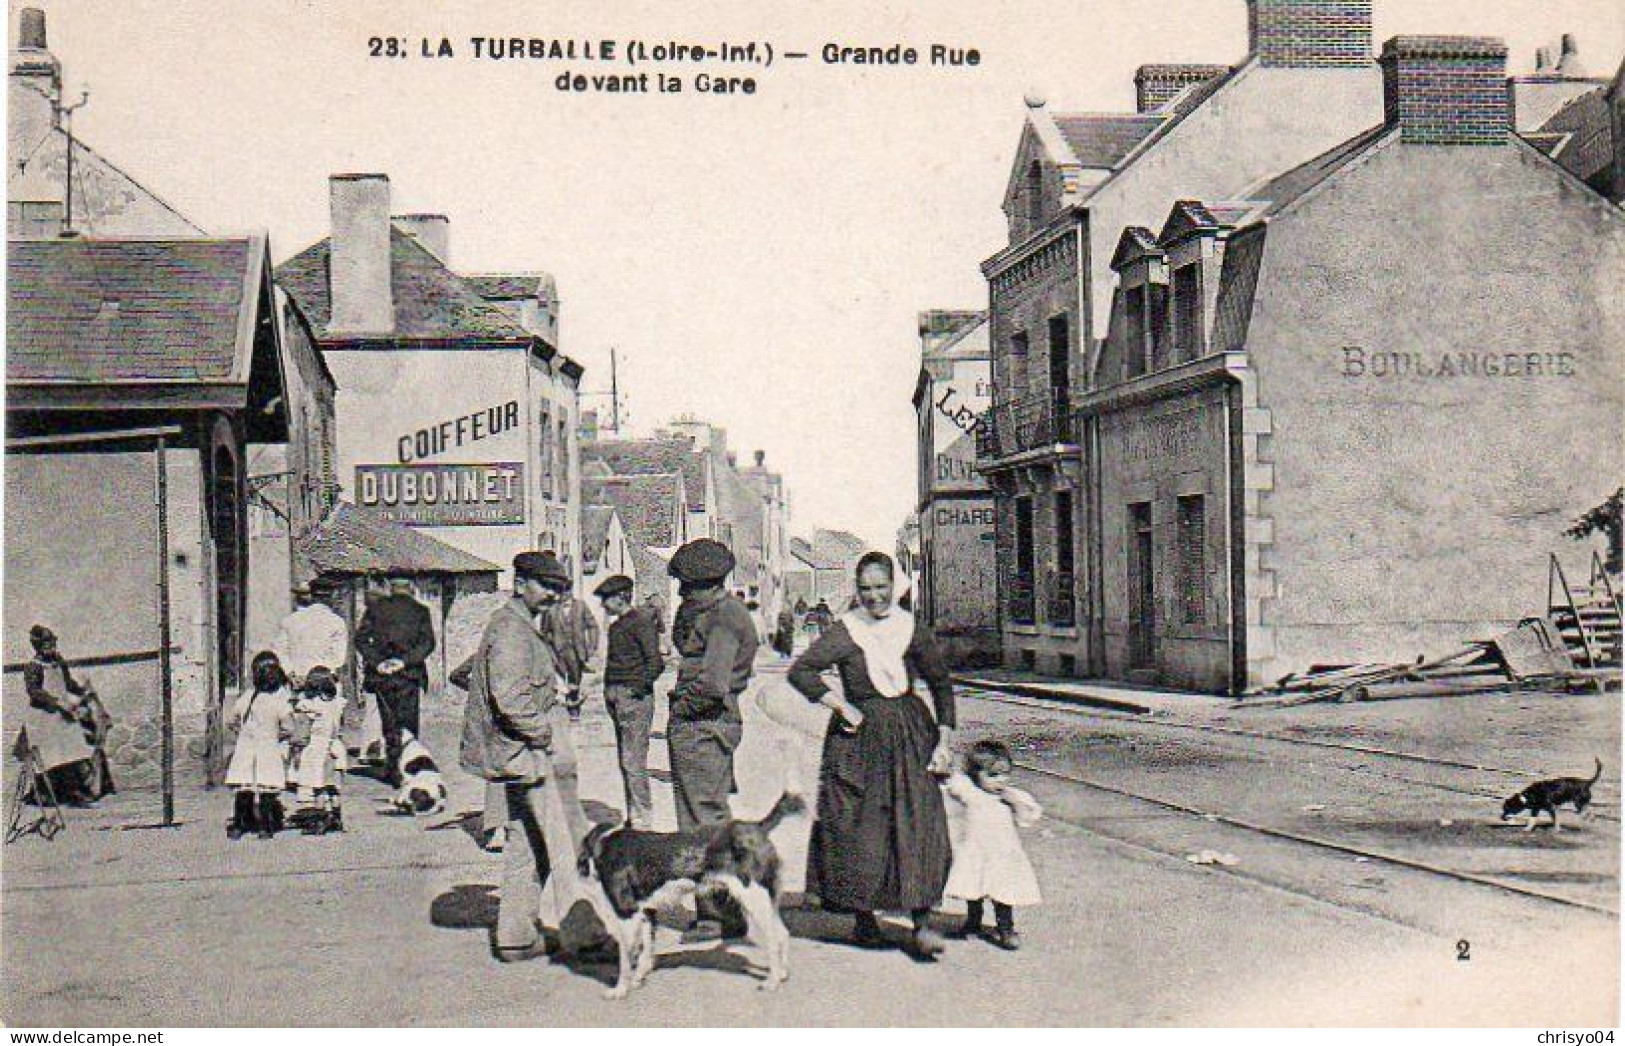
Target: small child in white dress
319 771
263 715
989 862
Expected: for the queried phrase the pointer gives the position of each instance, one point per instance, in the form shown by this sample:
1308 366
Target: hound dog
629 873
1546 796
423 790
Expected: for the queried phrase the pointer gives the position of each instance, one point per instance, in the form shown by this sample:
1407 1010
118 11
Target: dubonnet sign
492 493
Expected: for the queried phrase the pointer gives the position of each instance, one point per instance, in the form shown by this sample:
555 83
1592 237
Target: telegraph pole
614 394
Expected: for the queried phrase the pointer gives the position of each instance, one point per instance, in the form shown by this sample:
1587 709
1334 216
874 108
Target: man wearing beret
716 639
631 666
517 732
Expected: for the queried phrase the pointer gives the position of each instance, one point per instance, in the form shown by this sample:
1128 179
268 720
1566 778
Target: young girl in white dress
263 715
989 863
319 771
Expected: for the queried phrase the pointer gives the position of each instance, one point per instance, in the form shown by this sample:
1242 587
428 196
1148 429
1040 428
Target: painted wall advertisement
490 493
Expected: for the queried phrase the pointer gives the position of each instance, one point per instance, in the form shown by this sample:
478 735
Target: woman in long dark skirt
881 839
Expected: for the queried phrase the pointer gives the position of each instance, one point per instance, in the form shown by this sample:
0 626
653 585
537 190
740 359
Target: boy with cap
517 732
717 640
631 666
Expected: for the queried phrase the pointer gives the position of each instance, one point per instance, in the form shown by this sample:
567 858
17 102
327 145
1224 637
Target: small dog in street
1547 796
423 790
636 872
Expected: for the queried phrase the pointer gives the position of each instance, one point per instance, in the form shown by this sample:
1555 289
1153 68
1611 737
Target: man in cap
631 666
517 732
572 630
716 640
395 638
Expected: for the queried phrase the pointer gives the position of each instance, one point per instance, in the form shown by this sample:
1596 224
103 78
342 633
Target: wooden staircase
1587 616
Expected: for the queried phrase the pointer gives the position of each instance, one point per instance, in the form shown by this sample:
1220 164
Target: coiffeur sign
490 493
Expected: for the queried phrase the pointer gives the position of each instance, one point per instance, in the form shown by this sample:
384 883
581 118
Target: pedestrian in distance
880 841
989 863
632 663
319 770
395 639
263 716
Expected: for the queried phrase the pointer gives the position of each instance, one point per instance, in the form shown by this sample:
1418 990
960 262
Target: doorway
1142 589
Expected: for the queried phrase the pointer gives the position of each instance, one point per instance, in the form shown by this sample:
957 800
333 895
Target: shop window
1192 545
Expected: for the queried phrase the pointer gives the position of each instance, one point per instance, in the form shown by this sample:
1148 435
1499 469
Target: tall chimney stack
1156 85
1446 90
1309 33
433 231
35 89
359 257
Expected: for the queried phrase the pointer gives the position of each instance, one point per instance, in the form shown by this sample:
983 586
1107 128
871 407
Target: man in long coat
516 731
394 640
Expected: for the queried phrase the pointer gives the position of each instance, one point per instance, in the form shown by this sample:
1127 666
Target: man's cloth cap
618 585
704 560
542 566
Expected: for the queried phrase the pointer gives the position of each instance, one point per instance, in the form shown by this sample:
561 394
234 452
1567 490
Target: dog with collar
423 790
630 873
1546 796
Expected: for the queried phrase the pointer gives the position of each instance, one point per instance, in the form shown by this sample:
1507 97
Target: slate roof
1590 150
355 540
514 286
431 302
648 504
1136 242
595 521
1284 189
111 311
1103 140
638 457
830 549
1195 216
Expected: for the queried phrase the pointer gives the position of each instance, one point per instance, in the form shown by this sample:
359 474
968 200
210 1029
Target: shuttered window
1192 550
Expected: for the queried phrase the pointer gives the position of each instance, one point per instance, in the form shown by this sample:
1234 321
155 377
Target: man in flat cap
631 666
716 640
395 639
517 732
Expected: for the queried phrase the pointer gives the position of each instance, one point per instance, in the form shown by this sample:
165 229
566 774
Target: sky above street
759 260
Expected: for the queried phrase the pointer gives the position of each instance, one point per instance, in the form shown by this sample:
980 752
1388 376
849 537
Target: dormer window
1187 286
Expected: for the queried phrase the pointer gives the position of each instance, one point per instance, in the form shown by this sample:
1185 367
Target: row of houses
1268 383
191 431
647 496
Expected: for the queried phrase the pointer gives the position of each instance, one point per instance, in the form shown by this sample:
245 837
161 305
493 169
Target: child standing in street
989 862
321 765
263 715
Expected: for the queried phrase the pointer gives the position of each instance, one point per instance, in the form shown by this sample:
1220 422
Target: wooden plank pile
1533 654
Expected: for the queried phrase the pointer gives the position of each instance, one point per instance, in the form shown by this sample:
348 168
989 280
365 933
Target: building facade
1078 180
457 414
955 590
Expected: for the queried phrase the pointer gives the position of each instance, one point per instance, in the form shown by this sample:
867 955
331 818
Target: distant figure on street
394 640
656 608
313 635
880 842
516 733
784 636
571 629
801 607
819 618
631 666
66 724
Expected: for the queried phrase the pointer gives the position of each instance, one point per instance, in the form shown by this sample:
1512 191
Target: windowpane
1192 548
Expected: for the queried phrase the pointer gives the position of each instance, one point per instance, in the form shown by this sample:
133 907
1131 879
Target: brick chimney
359 258
1155 85
35 88
1309 33
1446 90
433 231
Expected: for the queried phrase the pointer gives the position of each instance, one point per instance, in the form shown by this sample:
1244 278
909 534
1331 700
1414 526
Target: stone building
955 591
1077 181
113 345
458 414
1335 444
653 509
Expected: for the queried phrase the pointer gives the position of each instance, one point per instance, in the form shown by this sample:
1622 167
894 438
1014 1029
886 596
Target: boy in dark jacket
631 666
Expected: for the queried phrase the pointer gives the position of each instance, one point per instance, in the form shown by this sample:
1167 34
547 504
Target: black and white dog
628 874
423 790
1547 796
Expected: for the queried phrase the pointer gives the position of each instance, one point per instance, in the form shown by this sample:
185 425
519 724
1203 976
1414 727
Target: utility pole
614 394
65 118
